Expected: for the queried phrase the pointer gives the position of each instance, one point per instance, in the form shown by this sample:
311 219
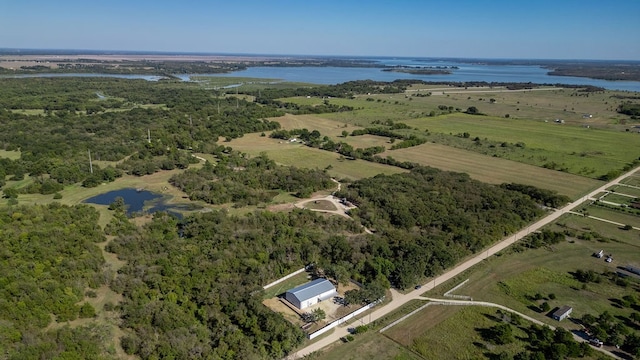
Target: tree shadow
493 318
534 308
485 333
617 303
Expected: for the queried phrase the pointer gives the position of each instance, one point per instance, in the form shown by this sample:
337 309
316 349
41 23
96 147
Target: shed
311 293
562 313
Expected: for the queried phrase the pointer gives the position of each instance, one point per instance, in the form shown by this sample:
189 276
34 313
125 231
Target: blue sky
541 29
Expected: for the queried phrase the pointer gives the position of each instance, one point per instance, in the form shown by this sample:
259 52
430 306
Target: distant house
311 293
562 313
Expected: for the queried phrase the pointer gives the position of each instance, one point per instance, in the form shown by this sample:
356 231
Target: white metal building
311 293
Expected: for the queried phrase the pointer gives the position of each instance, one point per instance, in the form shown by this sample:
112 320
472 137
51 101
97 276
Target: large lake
335 75
465 72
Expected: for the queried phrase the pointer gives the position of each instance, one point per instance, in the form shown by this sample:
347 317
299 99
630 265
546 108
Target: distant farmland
494 170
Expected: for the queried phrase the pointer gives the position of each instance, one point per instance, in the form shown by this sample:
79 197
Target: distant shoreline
161 64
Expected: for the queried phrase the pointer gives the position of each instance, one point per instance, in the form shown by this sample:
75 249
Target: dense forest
429 219
48 259
192 289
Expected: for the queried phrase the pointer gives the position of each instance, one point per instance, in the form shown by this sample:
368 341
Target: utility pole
90 163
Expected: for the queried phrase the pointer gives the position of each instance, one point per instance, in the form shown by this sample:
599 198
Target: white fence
342 320
284 278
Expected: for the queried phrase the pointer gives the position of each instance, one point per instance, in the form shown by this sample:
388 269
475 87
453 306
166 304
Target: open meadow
485 168
578 150
560 129
494 170
450 332
513 278
295 154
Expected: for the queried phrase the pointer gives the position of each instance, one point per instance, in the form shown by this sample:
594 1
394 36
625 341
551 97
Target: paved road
401 299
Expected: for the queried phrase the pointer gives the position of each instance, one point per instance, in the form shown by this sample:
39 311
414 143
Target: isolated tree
118 204
10 193
472 110
318 314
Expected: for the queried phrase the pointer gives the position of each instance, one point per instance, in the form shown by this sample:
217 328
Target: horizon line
61 51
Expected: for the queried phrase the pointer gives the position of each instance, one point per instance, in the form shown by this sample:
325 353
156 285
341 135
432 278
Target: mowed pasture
573 106
326 127
302 156
627 190
614 215
514 278
449 332
591 142
633 180
580 150
494 170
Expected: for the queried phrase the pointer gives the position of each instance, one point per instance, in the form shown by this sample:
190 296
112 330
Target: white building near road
311 293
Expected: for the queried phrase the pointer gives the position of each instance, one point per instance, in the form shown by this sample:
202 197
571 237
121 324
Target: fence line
456 287
342 320
284 278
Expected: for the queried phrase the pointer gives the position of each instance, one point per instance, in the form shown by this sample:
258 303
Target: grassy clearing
320 205
12 155
581 223
494 170
286 285
580 150
295 154
449 332
633 180
354 349
571 146
370 345
613 215
512 279
75 194
28 111
625 190
325 126
618 199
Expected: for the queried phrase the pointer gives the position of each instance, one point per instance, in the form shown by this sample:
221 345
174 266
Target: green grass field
585 145
619 199
286 285
583 151
614 215
626 190
512 279
295 154
449 332
482 167
632 180
494 170
367 346
13 155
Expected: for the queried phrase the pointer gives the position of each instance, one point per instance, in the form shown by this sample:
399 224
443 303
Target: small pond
140 201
